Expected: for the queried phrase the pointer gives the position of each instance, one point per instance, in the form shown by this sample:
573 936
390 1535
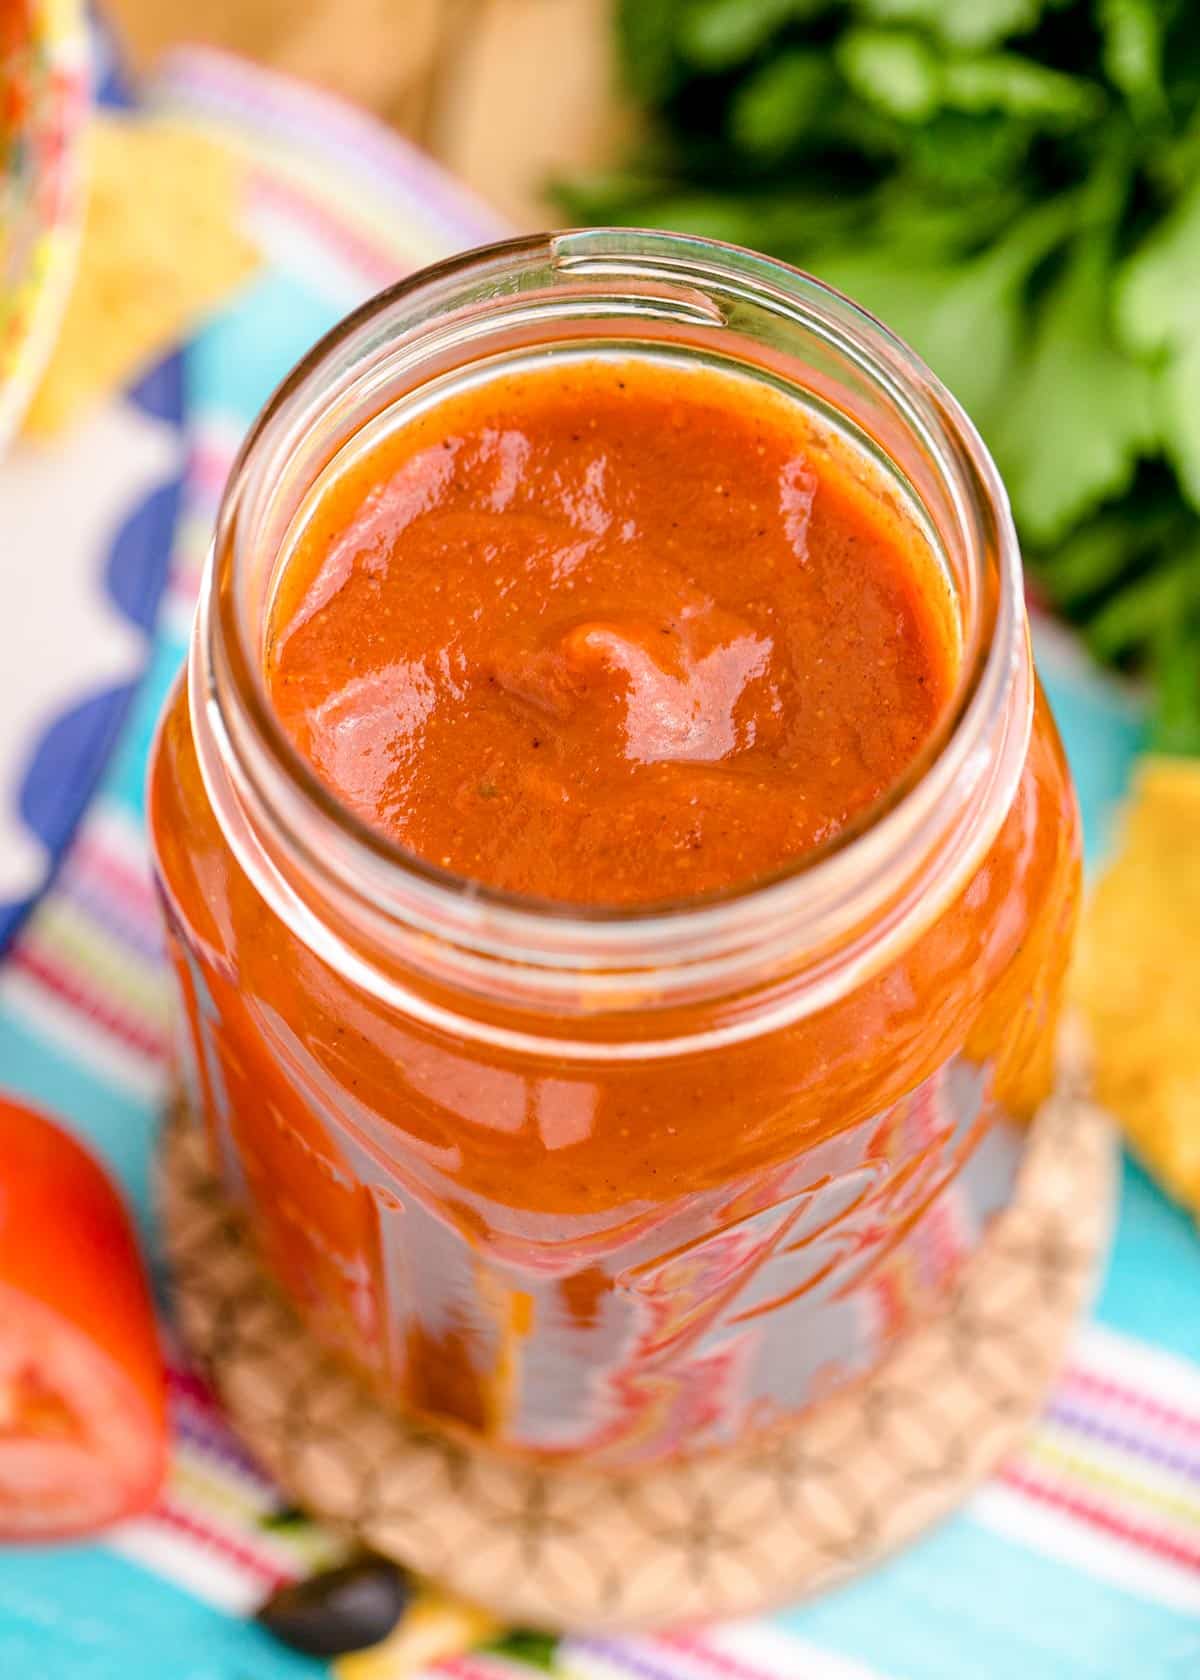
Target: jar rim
490 922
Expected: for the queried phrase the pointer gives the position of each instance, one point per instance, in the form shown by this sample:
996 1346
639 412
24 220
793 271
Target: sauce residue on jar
615 633
606 630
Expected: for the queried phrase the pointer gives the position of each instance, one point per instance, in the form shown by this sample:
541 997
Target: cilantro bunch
1014 186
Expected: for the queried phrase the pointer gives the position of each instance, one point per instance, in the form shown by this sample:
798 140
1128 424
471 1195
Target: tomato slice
82 1393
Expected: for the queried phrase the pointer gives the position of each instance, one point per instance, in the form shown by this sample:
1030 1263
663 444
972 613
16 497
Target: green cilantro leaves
1011 185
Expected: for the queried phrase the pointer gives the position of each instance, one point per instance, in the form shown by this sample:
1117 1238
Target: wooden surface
506 92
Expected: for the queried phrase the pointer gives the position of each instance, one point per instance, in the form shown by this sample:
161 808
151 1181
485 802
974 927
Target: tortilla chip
1137 977
433 1627
161 248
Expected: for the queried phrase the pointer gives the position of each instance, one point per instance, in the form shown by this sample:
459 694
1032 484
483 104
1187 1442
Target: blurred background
1008 183
509 94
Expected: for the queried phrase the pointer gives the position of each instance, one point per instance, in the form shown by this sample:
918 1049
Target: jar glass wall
615 1186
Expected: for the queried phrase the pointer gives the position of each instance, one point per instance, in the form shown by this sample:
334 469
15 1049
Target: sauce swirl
612 634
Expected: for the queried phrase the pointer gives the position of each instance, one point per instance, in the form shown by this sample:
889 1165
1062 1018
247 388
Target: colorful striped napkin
1080 1558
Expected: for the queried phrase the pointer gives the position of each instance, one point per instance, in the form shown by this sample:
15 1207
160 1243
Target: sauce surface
611 634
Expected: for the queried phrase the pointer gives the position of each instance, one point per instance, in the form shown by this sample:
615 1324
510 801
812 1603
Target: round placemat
860 1474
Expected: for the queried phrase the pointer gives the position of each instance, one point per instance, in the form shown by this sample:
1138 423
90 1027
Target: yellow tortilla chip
161 247
434 1626
1137 977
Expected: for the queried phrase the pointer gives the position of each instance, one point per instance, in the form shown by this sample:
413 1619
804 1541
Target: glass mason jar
616 1186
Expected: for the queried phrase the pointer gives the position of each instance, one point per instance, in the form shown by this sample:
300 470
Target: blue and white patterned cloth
84 548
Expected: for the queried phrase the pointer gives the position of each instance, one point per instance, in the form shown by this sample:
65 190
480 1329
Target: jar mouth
637 282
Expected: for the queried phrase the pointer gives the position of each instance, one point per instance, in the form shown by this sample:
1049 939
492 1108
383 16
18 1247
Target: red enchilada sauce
611 634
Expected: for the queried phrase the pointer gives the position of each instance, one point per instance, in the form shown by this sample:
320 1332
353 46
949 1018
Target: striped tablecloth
1080 1558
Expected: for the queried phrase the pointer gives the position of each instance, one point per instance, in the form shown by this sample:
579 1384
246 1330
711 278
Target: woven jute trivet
858 1476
